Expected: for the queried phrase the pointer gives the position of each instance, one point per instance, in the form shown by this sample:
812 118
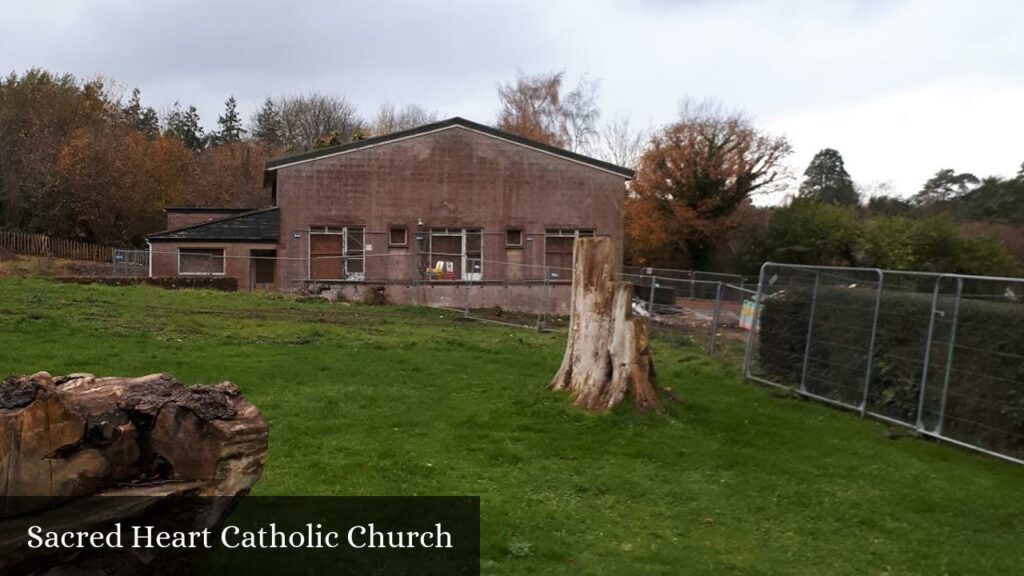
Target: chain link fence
705 308
130 263
942 354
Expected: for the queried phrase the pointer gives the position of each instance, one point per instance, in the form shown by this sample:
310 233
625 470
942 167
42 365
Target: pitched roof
254 226
204 209
444 125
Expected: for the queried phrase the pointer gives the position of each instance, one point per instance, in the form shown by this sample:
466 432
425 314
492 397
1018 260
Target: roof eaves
202 209
442 125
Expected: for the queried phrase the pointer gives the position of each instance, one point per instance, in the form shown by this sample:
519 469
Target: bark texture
68 444
607 356
75 435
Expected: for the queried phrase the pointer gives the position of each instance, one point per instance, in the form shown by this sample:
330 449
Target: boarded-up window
336 253
397 236
201 261
514 238
558 250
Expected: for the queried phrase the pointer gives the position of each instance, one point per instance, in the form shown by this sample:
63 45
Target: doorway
261 269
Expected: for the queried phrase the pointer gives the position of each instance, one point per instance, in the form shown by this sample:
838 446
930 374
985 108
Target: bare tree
620 143
306 119
535 108
579 116
390 118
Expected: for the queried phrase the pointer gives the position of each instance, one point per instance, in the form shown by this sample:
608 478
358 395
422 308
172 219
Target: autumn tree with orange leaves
694 176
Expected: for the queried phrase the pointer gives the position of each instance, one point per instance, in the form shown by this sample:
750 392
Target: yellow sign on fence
747 314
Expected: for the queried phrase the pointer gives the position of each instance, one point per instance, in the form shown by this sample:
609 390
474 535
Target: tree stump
69 443
607 356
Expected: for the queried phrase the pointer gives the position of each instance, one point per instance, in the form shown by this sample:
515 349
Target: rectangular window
456 253
398 236
514 238
558 250
336 253
201 261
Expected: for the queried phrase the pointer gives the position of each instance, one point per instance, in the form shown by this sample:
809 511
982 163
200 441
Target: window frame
463 234
522 235
204 250
405 236
346 252
574 233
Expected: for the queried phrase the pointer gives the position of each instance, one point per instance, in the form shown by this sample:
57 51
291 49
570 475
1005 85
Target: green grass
387 400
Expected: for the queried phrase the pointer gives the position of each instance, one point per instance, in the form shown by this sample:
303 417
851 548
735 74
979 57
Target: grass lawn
395 401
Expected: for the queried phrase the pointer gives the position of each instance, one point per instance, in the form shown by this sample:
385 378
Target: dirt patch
693 317
44 266
85 268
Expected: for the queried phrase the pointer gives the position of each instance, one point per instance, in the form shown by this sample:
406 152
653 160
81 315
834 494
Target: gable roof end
443 125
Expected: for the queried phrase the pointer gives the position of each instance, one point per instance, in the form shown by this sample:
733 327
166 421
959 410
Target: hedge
985 401
222 283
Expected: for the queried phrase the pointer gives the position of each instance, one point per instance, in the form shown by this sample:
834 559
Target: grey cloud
771 59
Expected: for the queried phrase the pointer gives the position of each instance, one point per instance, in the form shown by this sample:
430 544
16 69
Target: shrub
985 400
222 283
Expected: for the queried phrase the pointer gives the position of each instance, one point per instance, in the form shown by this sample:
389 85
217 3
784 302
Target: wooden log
607 355
75 435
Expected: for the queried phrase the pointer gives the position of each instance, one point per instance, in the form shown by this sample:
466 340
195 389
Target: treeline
77 163
811 232
692 208
79 160
955 223
691 203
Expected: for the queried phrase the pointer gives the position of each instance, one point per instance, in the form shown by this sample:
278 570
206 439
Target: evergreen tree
143 119
946 185
184 125
266 124
826 180
133 109
230 124
328 140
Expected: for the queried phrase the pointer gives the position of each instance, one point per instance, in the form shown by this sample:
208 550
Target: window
458 251
201 261
514 238
398 236
336 253
558 250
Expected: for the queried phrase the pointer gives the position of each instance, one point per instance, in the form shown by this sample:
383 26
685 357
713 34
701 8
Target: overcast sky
901 88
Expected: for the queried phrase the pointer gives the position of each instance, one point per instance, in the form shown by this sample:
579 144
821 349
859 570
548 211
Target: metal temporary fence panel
129 263
815 331
939 353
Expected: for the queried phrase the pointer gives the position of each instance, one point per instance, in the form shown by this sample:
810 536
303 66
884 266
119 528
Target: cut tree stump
70 443
607 356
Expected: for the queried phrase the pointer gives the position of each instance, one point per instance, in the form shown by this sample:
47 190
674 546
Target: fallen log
67 439
607 355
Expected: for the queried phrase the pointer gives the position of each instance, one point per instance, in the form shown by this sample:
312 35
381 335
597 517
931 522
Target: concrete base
525 298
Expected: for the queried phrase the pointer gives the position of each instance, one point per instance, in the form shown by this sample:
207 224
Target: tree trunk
80 453
607 356
77 435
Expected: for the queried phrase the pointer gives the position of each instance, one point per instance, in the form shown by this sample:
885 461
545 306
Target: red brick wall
164 259
451 178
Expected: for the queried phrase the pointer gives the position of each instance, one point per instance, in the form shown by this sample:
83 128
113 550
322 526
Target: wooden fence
41 245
